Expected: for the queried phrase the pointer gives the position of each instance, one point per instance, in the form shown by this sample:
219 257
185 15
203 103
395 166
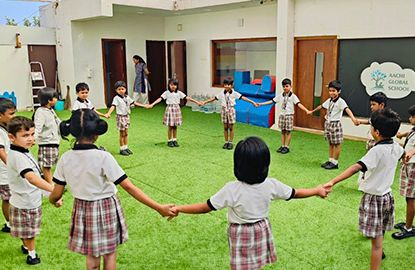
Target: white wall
14 71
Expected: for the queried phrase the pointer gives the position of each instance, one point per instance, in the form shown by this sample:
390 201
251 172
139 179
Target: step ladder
38 81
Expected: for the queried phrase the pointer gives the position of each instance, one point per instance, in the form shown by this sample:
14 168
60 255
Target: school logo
388 78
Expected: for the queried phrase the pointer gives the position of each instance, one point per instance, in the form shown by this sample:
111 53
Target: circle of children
247 198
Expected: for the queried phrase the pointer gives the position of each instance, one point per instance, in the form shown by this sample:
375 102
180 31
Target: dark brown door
177 64
114 59
315 65
46 55
156 64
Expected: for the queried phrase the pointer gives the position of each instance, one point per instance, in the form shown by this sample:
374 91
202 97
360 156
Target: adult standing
141 84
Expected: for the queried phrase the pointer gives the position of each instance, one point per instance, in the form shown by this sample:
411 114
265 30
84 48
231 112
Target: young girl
248 200
228 115
173 114
98 222
122 103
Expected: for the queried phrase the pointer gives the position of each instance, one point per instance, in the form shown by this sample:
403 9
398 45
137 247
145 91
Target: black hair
411 110
84 123
386 121
19 123
286 81
228 81
379 97
251 160
46 94
139 58
120 84
336 85
81 86
174 82
6 104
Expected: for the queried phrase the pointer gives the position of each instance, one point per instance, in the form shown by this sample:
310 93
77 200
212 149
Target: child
7 111
377 102
47 131
122 103
227 100
25 183
82 101
98 222
248 200
288 100
376 211
407 181
333 130
173 115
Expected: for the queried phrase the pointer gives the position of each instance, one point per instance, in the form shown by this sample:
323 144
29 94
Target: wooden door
315 65
177 64
114 60
156 64
46 55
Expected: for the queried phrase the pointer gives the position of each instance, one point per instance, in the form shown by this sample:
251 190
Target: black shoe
170 144
124 152
331 166
404 233
129 151
5 228
323 165
280 149
401 225
285 150
32 261
175 144
230 146
383 255
24 250
225 146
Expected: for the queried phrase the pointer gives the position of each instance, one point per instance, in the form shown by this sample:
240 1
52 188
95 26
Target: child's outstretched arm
320 191
363 121
99 113
3 155
319 107
208 101
194 101
400 135
55 197
250 101
408 155
197 208
138 104
302 107
154 103
139 195
265 103
344 175
108 114
350 114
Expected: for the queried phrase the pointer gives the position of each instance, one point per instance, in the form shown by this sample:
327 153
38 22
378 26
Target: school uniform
227 101
47 136
98 221
82 104
4 179
122 107
172 115
333 130
250 237
26 199
287 105
376 211
407 173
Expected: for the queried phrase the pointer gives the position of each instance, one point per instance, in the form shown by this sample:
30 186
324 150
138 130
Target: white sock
32 254
174 139
126 146
331 160
335 162
410 229
170 140
7 224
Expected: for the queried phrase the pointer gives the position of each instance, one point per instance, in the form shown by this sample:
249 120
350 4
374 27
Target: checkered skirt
333 132
376 214
251 246
123 122
286 122
25 223
47 156
172 115
5 192
98 227
228 116
407 180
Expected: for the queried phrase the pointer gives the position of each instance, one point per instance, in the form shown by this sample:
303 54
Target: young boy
122 103
333 130
287 101
376 211
25 183
47 131
407 181
377 102
227 100
82 102
7 111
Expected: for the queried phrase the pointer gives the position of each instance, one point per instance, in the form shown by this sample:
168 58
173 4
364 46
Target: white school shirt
173 98
82 104
122 104
5 144
90 173
286 102
24 195
227 99
378 167
249 203
46 126
335 108
410 144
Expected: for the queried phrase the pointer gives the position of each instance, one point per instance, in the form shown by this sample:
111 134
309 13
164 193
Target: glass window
256 55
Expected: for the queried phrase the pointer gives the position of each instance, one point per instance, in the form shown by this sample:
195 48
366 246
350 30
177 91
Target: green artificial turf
309 233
